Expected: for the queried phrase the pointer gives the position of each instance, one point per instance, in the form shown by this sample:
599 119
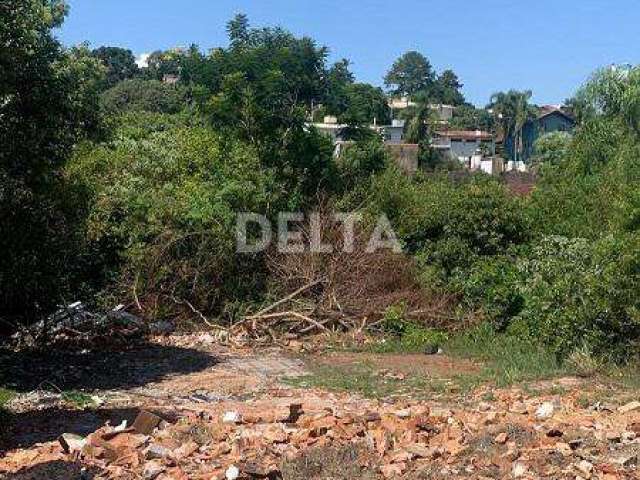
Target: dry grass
351 462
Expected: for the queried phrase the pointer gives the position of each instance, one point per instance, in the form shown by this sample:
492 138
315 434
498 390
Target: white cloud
142 60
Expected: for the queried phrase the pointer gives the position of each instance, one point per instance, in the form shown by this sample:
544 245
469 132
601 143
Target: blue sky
547 46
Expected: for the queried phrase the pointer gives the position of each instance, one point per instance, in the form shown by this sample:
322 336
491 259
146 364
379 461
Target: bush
491 284
359 161
581 294
168 203
551 148
43 248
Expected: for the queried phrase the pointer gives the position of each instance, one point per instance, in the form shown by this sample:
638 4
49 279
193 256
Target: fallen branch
197 312
291 296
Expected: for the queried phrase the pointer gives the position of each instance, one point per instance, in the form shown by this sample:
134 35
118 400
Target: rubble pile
77 323
511 436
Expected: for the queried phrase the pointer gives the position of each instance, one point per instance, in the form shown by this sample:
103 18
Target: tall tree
417 118
47 104
468 117
447 89
120 63
238 30
512 111
269 84
338 79
161 63
366 104
410 74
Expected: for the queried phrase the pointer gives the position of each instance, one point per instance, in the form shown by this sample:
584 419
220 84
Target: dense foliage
131 192
48 101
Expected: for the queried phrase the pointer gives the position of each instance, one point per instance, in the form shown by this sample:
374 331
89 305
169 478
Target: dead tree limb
291 296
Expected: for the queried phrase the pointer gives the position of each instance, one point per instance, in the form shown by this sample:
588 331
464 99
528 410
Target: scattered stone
162 327
626 460
146 422
404 413
628 437
232 473
613 437
490 418
156 451
120 428
585 468
545 411
501 438
519 470
152 470
423 451
232 417
71 443
518 407
629 407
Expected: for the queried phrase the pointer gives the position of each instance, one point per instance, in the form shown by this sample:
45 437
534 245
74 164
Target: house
463 144
444 113
392 134
551 118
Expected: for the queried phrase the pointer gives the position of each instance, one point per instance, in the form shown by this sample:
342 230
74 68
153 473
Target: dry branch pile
342 291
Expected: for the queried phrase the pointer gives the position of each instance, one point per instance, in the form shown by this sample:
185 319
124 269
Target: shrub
168 203
551 148
582 294
491 284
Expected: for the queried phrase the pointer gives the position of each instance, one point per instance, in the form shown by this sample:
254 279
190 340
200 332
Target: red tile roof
465 134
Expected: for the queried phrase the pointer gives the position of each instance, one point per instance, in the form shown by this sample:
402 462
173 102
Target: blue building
550 119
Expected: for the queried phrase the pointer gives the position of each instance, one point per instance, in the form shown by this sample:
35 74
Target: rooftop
465 134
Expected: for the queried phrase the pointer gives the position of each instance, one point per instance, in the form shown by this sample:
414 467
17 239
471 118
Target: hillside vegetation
122 189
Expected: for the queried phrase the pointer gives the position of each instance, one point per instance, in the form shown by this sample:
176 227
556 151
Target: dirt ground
241 413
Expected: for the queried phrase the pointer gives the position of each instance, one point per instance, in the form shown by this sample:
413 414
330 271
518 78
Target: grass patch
78 399
330 462
364 379
6 396
507 359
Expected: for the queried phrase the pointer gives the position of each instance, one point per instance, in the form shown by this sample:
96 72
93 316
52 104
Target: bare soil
564 428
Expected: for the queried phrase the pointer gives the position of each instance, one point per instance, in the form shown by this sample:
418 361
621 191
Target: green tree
446 89
410 74
551 148
144 95
47 105
512 111
366 104
468 117
269 84
338 79
611 93
161 63
238 30
417 118
120 63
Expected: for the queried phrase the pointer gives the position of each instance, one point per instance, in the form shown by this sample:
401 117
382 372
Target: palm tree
417 118
512 111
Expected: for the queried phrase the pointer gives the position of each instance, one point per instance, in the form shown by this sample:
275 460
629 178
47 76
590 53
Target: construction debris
77 323
252 439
